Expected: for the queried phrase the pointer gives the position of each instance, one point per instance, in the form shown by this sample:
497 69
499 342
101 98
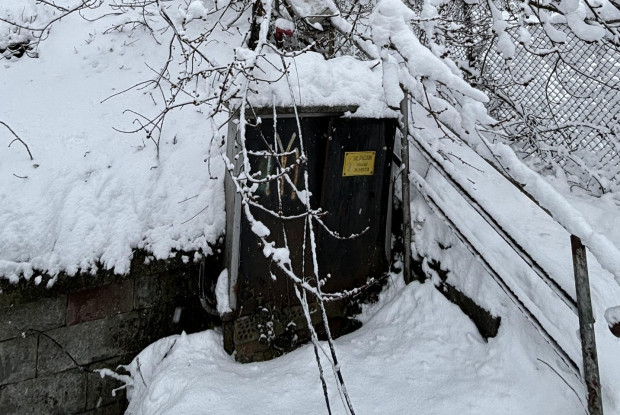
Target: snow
196 10
313 81
563 212
612 316
311 10
93 195
221 293
574 12
504 43
545 240
285 25
390 25
260 229
415 350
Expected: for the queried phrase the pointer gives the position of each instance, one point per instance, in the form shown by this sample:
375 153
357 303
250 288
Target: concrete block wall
52 340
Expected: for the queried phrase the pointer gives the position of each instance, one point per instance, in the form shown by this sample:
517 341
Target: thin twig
17 138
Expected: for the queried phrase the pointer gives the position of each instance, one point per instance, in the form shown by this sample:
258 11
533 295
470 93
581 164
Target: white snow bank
415 350
545 240
93 194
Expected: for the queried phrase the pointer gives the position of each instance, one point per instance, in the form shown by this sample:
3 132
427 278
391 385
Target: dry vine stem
243 182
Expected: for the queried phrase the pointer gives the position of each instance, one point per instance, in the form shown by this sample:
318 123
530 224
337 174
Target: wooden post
404 154
586 327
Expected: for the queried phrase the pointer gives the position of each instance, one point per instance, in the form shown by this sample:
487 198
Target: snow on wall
92 194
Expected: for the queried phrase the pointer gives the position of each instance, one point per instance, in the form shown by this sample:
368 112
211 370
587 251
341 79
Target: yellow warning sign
358 163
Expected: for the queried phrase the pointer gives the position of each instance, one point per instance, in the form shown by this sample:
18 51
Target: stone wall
52 340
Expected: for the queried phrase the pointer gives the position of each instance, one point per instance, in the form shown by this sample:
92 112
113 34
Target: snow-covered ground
543 238
93 194
416 353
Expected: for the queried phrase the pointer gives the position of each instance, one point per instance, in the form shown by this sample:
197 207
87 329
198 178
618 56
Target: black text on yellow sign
358 163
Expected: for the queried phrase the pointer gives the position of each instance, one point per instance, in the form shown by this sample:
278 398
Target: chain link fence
556 103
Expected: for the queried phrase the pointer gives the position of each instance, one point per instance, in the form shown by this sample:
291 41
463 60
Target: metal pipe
404 152
586 327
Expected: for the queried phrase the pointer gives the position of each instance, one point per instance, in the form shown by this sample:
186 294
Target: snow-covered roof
309 80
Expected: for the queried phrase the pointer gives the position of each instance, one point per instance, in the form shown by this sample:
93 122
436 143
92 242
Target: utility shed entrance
348 163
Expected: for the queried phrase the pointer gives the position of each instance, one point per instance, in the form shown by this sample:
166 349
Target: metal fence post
404 131
586 327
